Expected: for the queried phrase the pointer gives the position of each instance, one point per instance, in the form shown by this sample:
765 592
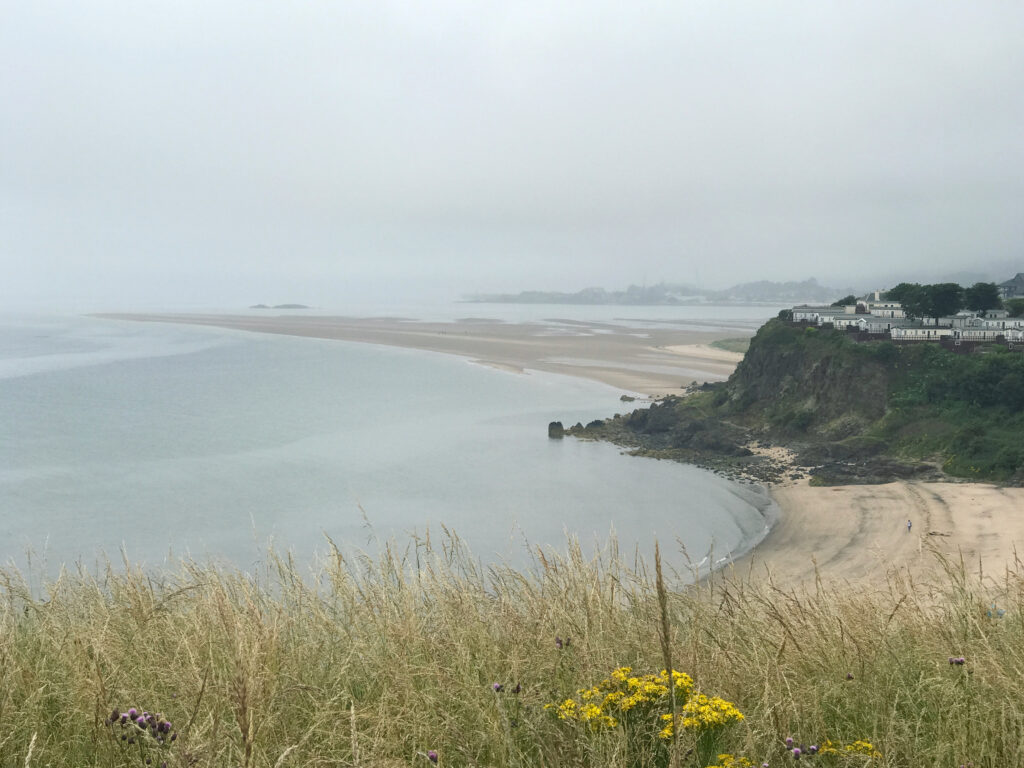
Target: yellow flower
702 713
567 710
621 673
862 747
828 748
729 761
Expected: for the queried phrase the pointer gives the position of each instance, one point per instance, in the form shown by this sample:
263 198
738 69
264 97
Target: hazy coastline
854 533
647 361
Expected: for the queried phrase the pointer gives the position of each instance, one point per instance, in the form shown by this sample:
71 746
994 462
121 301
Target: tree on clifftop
943 299
902 292
982 297
846 301
937 300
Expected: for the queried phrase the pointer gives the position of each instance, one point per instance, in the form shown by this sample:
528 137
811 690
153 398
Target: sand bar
648 361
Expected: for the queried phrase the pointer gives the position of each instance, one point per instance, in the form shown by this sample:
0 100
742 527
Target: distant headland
279 306
761 291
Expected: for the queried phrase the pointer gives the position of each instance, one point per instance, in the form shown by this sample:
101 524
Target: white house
887 309
989 334
919 333
816 314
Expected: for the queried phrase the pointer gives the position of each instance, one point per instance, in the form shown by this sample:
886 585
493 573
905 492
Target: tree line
943 299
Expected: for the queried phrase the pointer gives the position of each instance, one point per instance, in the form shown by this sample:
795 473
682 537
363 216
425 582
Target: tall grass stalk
377 661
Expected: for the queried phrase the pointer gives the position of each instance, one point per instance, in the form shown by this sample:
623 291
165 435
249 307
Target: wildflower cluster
702 713
148 731
957 660
862 747
859 747
624 695
731 761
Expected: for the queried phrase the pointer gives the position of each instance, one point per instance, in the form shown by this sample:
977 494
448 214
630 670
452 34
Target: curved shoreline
839 533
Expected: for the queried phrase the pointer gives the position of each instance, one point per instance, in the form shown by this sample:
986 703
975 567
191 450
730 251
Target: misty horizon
224 154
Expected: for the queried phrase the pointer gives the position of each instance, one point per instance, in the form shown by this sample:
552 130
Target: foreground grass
385 661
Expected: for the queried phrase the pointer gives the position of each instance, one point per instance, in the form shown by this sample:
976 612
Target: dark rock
556 430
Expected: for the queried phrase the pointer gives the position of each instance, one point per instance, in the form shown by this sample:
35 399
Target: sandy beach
845 533
858 533
649 361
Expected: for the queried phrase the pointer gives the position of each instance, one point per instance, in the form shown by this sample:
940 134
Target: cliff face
851 412
794 379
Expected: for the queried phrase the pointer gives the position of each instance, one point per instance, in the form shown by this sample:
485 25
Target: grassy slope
916 401
388 659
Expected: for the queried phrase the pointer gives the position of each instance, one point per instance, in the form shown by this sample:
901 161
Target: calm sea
154 442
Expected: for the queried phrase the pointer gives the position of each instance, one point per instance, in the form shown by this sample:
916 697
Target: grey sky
226 153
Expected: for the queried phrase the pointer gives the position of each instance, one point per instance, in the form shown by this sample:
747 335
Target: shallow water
163 441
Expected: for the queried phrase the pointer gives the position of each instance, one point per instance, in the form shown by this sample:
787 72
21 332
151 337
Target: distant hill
764 291
279 306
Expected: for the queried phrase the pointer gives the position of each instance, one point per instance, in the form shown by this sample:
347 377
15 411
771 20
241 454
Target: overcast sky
225 153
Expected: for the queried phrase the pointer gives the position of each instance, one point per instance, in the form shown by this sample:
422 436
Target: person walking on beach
908 526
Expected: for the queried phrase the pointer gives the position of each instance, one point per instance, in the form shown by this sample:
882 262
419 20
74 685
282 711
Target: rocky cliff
850 412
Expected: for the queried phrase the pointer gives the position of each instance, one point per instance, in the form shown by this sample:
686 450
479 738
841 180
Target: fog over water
227 153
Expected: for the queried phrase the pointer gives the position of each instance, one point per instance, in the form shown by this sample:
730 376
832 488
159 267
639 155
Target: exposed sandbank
651 361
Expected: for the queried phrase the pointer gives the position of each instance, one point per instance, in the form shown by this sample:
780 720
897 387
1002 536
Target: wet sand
649 362
858 533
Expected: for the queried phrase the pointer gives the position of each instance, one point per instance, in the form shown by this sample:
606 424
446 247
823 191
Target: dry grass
374 662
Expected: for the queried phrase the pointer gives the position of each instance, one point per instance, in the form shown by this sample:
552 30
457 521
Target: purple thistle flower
498 687
517 689
174 736
132 713
789 741
796 753
849 675
141 722
813 749
558 642
432 755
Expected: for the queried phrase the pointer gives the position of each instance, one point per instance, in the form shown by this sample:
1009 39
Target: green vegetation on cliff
855 411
